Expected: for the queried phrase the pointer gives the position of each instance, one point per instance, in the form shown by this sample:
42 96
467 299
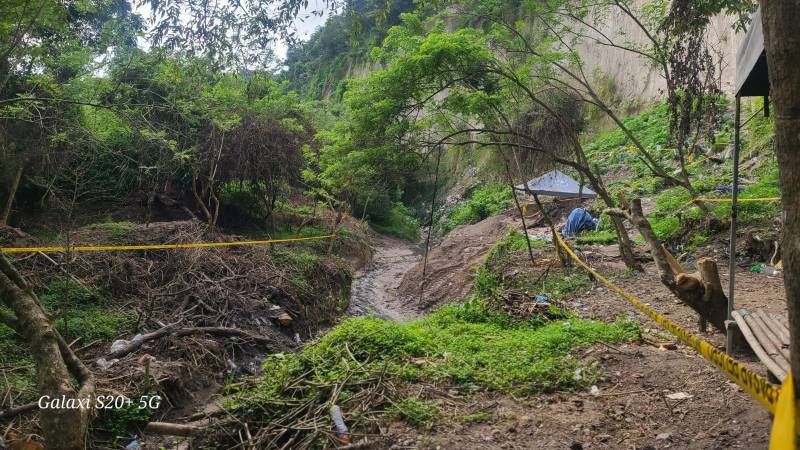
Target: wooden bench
768 336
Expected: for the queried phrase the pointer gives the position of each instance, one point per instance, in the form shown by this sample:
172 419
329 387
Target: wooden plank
772 366
772 336
776 325
766 343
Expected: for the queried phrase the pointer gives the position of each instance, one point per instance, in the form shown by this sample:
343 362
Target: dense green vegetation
479 203
465 345
367 121
460 344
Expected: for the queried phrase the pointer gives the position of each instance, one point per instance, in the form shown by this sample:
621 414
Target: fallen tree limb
173 429
18 410
276 341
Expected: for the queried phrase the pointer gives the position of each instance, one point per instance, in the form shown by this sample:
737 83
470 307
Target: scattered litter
338 422
578 376
542 298
133 445
118 345
544 237
679 396
297 338
594 390
580 305
285 320
102 364
766 270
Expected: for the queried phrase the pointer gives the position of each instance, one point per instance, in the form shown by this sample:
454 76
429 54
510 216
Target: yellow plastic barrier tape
754 384
784 427
99 248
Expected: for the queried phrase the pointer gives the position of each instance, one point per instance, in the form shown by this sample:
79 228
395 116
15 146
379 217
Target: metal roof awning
556 184
752 78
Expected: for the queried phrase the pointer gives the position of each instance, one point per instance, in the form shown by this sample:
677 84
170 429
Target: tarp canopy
556 184
752 76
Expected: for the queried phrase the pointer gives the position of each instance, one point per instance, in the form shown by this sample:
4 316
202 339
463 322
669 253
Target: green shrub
400 223
118 231
597 237
86 311
464 344
485 201
666 228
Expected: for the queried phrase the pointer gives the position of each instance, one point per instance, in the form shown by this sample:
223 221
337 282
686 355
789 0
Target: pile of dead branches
199 314
300 415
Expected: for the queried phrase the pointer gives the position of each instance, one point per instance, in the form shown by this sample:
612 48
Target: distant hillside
332 54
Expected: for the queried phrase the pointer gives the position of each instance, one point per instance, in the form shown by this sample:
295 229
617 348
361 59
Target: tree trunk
56 364
702 291
12 192
782 43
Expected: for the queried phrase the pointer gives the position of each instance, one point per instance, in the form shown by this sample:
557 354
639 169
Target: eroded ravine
374 289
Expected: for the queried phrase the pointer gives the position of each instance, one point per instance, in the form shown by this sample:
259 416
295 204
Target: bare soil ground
632 409
448 274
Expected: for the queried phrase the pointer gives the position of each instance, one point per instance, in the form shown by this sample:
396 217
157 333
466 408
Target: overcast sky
305 24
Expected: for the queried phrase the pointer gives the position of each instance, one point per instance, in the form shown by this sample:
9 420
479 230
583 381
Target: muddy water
374 289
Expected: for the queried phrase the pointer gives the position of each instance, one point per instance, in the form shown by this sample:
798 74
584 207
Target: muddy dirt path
374 289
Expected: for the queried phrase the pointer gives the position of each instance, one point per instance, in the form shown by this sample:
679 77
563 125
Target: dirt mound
448 275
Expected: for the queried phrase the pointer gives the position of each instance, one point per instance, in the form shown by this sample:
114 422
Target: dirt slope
633 409
448 273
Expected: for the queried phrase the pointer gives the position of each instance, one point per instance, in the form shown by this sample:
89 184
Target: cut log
702 291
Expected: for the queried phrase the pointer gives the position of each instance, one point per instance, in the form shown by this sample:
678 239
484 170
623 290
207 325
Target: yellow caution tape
784 427
99 248
754 384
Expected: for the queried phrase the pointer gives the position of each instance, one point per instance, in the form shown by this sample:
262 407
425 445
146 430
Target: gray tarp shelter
556 184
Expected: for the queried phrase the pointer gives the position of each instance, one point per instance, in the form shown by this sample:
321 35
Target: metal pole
732 250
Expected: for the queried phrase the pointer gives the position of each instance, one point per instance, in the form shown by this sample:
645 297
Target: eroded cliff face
633 76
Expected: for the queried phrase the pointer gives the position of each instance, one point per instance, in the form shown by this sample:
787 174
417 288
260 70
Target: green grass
484 201
597 237
417 413
477 417
118 231
400 224
463 344
557 285
87 311
88 316
613 150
